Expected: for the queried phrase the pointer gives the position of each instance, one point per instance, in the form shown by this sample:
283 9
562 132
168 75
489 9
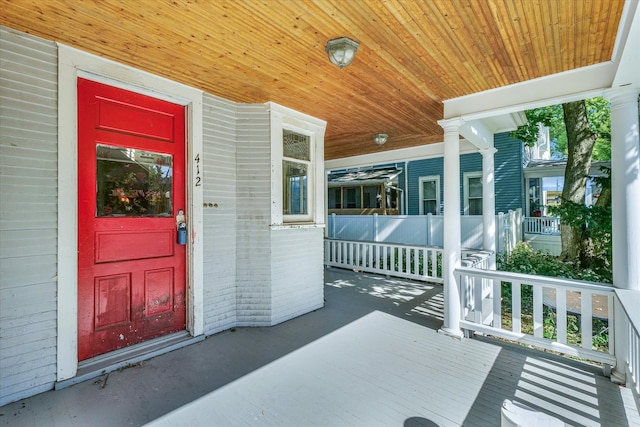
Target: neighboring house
420 183
118 229
364 191
525 178
544 180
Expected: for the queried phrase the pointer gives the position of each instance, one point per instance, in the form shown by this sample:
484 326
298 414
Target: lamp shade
380 138
341 51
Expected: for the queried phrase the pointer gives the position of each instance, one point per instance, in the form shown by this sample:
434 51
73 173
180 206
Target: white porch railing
627 304
410 262
485 314
542 225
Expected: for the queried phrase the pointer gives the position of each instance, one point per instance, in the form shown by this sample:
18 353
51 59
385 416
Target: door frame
73 63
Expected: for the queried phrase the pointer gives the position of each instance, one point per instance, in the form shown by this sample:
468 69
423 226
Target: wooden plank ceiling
413 54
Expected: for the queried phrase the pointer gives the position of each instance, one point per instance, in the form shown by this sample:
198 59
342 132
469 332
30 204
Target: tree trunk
580 143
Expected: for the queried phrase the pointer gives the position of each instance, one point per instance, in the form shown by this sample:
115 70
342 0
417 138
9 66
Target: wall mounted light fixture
341 51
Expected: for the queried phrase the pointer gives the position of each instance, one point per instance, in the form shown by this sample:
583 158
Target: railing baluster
611 320
634 357
516 307
407 261
538 328
586 319
434 264
384 258
561 315
497 304
478 297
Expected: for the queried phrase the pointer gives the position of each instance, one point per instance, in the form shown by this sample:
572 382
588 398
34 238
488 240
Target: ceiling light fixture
341 51
380 138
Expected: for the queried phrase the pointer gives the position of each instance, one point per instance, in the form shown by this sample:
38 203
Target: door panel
131 181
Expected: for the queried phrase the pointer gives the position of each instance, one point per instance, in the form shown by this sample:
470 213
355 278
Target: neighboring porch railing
484 315
422 263
542 225
419 230
410 262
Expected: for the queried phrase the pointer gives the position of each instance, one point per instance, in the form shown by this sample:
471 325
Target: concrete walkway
371 357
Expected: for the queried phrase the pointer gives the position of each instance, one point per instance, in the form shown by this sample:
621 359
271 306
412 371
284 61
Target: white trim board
73 63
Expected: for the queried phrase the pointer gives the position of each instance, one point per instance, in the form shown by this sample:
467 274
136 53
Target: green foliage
550 116
593 226
524 259
598 114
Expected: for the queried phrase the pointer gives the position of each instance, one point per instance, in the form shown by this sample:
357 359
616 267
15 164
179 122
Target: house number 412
198 177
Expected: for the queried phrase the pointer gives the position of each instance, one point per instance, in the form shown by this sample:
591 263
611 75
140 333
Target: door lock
182 228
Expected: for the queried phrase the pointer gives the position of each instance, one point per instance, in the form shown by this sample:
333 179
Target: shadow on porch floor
371 357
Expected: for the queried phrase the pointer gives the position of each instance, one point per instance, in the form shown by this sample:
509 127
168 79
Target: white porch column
452 223
489 204
625 205
625 187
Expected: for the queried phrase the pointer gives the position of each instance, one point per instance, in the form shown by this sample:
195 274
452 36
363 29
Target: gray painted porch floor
371 357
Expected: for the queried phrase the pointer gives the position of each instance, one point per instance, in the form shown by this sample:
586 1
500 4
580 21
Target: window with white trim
473 193
297 146
296 171
429 193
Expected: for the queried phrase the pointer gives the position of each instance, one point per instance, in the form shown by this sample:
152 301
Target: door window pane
133 182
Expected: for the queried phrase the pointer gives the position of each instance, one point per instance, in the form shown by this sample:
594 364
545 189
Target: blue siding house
420 183
425 177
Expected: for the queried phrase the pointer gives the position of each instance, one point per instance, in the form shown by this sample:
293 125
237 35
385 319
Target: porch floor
371 357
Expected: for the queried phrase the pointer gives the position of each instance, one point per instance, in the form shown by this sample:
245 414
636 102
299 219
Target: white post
429 229
625 188
625 205
489 205
451 253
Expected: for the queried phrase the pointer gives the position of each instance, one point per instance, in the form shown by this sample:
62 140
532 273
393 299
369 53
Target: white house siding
219 212
296 272
253 216
253 275
28 214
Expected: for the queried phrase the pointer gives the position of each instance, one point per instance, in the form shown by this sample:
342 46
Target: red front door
131 181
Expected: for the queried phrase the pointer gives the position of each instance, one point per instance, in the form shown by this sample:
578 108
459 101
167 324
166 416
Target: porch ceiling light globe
341 51
380 138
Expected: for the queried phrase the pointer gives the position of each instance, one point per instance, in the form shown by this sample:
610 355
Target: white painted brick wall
253 239
297 275
219 214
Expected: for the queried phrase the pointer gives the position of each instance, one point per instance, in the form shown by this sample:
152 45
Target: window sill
295 226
